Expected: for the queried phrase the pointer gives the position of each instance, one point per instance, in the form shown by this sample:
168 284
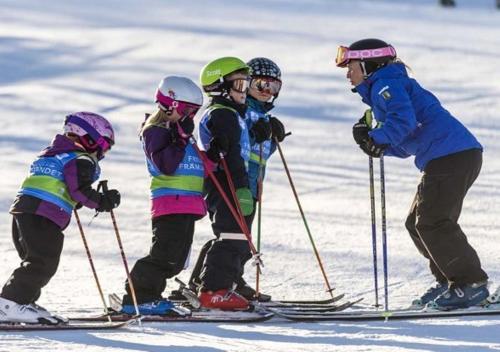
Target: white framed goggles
344 54
268 85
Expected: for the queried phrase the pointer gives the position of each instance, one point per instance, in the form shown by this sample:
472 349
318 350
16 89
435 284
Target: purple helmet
94 131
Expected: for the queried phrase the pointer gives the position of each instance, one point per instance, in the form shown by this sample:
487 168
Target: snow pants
171 243
39 243
227 254
433 218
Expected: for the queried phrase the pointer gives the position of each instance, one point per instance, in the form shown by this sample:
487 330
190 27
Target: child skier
264 88
223 130
177 176
60 180
413 122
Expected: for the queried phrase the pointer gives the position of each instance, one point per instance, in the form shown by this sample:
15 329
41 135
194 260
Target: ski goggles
344 54
183 108
102 146
266 85
240 85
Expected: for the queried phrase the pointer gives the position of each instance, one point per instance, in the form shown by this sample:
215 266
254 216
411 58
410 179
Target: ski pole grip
104 185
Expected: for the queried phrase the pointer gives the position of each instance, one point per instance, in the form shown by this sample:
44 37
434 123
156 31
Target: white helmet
180 89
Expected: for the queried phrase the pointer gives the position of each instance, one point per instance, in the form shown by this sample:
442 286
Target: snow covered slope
108 56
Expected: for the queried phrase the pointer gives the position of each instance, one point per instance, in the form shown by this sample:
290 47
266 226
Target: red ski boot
223 299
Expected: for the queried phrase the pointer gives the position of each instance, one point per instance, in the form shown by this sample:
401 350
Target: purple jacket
78 176
166 154
161 149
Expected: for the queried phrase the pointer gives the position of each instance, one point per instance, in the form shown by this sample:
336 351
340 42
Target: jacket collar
241 108
391 71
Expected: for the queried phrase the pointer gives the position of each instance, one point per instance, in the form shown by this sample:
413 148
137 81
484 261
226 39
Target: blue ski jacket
411 120
257 110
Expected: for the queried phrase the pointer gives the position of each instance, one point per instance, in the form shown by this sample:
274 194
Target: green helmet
212 75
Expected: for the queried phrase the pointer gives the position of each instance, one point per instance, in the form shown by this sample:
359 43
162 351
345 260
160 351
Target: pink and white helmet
95 132
179 93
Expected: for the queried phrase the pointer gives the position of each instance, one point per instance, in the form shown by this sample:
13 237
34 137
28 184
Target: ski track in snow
61 56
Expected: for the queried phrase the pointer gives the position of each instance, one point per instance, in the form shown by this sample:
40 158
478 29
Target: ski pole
384 230
89 256
258 261
374 228
233 193
238 217
243 225
259 214
303 217
104 184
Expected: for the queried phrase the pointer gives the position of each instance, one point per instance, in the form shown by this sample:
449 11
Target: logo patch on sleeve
384 92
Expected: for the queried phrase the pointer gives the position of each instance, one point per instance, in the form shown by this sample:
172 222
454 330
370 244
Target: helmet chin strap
363 68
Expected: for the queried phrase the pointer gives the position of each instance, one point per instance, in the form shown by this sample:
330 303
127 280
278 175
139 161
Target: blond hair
157 119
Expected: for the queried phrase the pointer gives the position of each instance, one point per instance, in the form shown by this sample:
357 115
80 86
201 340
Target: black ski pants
39 243
433 218
171 243
225 256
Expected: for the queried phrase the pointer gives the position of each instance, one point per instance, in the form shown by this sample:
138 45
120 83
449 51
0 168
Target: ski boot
223 299
430 295
159 307
13 312
48 315
461 297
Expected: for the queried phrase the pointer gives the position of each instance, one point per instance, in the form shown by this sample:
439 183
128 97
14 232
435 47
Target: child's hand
277 128
261 131
218 145
109 200
185 127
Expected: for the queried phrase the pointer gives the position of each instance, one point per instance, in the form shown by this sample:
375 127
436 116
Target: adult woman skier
412 121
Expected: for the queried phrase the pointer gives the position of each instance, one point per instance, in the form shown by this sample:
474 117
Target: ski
299 310
183 312
64 326
309 301
206 316
400 314
300 304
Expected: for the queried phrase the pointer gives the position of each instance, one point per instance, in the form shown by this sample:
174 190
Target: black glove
78 206
109 200
372 149
277 128
360 131
261 131
178 136
187 125
218 144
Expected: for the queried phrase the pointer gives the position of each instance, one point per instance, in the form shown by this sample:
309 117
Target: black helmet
264 67
367 51
266 76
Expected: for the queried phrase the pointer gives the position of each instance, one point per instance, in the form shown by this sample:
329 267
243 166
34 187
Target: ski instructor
412 121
